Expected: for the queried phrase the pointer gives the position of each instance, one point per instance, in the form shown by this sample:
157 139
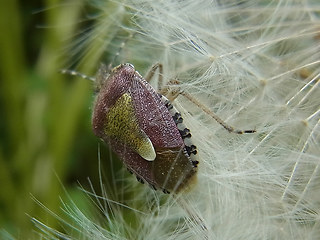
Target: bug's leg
169 93
151 73
172 95
214 116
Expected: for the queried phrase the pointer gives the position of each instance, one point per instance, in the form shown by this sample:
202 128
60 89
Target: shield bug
144 129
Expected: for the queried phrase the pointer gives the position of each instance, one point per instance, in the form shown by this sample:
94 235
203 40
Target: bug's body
138 124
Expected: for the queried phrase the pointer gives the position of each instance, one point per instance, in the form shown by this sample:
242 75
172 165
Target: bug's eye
129 65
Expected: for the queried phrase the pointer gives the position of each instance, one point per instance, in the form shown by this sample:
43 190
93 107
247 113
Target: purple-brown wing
153 116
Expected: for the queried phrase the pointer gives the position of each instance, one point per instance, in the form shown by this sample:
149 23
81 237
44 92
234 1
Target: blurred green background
46 143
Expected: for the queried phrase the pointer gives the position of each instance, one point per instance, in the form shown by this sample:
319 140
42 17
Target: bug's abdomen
171 171
174 169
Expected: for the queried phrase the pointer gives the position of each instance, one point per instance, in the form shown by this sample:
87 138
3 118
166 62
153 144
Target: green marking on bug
122 124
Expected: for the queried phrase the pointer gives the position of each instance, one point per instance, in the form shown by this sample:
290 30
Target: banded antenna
78 74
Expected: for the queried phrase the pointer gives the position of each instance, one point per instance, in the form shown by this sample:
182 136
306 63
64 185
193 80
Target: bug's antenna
123 44
75 73
108 69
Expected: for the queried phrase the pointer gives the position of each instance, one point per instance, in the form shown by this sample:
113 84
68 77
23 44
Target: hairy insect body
144 129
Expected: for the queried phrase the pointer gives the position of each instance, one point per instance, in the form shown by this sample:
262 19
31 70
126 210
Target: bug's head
118 73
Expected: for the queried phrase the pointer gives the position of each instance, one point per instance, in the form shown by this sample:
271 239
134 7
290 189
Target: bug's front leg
170 93
151 73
